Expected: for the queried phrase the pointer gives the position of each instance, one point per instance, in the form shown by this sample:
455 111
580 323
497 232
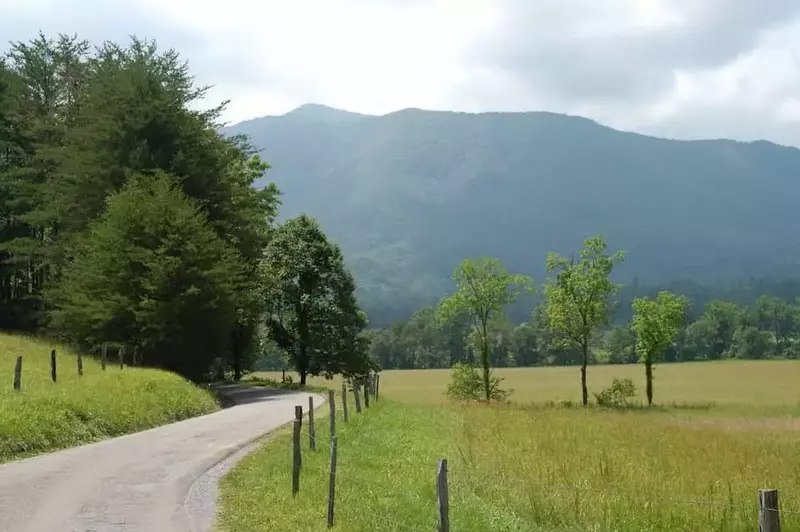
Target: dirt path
159 480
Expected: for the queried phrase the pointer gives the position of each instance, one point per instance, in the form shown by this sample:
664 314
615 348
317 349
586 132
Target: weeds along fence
54 365
769 511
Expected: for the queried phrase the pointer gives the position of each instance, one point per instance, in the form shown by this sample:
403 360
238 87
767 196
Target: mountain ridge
408 194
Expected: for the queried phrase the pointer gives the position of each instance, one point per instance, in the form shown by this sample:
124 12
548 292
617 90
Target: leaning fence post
344 402
442 496
358 398
377 384
18 373
53 371
296 459
80 365
332 482
769 518
366 393
103 353
332 411
312 433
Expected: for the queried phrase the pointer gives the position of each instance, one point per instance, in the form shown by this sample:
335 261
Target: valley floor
695 466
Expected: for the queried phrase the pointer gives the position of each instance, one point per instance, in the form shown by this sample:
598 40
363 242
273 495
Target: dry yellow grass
752 383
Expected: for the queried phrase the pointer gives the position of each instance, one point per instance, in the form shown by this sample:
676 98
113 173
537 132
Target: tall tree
656 323
312 312
152 272
484 288
578 298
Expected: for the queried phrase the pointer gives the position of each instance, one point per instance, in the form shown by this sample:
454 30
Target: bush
467 385
617 395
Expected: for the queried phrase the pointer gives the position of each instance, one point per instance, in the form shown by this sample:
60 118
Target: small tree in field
656 323
577 299
484 289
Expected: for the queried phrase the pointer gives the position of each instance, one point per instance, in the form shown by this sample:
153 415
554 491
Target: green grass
537 468
758 383
44 416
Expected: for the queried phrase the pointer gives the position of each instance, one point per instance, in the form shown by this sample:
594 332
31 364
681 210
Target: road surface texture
159 480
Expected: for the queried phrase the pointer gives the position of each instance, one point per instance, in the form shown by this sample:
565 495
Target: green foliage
577 299
656 323
82 125
467 384
484 288
152 273
312 312
618 395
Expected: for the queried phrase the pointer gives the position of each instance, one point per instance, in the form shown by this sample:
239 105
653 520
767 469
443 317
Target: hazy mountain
409 194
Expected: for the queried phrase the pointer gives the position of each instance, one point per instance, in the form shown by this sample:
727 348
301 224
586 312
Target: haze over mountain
410 193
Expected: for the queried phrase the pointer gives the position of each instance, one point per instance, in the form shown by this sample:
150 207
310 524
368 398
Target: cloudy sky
678 68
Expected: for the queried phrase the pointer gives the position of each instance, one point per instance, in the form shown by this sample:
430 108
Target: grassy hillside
45 416
537 468
410 193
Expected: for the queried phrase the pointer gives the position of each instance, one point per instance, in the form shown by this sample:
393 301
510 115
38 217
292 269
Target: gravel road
159 480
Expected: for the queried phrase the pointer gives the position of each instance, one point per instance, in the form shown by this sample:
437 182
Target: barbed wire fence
769 510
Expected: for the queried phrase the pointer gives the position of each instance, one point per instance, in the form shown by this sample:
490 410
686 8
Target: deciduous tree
656 323
484 288
577 299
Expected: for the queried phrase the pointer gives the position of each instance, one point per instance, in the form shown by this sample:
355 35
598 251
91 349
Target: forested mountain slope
408 194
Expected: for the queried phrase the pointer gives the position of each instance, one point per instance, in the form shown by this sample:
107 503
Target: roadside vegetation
44 416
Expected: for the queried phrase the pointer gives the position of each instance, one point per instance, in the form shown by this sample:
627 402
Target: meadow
720 432
45 416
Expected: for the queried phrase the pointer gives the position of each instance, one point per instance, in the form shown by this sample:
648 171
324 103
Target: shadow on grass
257 390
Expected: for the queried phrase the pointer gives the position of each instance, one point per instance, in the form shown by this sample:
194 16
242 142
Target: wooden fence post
366 393
769 518
442 496
53 370
18 373
332 411
312 433
136 355
332 483
121 354
80 365
344 402
296 459
358 398
377 384
103 354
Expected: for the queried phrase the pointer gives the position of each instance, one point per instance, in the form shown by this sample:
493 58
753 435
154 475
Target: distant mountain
410 193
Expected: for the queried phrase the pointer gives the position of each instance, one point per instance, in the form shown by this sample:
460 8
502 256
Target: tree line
767 327
126 218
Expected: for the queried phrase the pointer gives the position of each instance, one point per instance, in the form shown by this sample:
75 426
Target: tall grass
723 431
755 383
45 416
531 469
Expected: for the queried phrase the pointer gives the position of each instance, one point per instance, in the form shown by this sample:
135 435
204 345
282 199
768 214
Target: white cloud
686 69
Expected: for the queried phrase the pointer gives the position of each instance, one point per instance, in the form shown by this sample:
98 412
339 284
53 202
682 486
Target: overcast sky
678 68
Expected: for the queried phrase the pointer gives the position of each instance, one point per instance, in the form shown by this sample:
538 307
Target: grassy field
44 415
755 383
534 467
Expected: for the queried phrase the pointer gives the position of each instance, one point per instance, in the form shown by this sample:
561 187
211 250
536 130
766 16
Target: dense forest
763 327
126 219
409 194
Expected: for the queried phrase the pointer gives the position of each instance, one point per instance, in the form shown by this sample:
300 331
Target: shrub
467 385
617 395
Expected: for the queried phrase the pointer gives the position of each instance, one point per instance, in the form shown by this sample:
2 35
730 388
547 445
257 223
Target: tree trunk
584 389
485 362
648 373
303 375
